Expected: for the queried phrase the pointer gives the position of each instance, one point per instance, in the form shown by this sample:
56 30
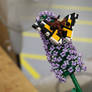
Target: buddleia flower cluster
63 58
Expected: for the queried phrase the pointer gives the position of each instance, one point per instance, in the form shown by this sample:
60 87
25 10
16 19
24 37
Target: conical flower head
63 58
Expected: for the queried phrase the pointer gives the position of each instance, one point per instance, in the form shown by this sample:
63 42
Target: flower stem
77 86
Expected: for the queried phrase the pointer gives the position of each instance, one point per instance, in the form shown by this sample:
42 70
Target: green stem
77 86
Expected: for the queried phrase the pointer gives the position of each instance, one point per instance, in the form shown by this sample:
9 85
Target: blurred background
23 43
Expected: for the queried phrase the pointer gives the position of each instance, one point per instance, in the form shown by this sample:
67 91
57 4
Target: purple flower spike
55 59
66 45
71 51
79 55
43 13
66 62
62 79
72 56
48 54
52 48
79 63
53 64
45 47
78 69
60 72
58 47
40 14
75 57
70 69
62 54
57 65
55 53
48 58
74 63
68 57
46 12
84 68
56 71
49 14
71 46
63 66
74 52
62 58
53 15
65 50
59 59
79 59
37 18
